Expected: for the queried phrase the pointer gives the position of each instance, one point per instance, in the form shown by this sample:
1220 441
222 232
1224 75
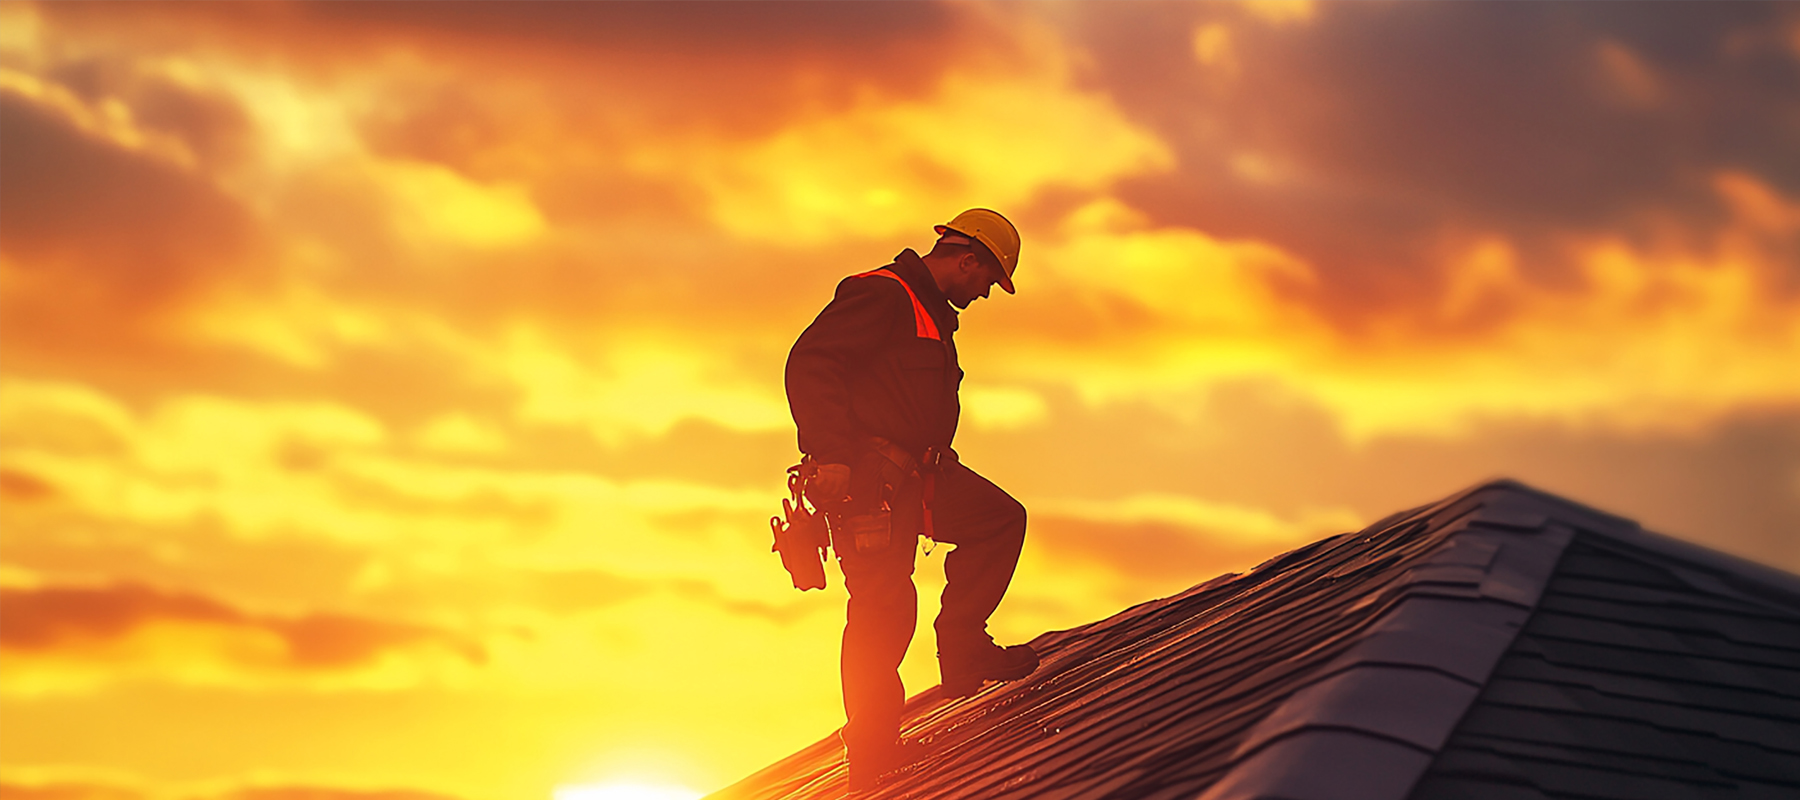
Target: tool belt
803 535
926 466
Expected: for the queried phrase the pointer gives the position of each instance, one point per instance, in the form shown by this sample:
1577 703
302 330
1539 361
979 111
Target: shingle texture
1500 643
1640 677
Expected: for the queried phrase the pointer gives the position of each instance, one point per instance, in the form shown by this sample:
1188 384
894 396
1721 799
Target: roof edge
1764 582
1595 517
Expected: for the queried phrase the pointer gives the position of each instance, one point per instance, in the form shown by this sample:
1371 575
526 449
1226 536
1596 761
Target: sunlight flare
624 791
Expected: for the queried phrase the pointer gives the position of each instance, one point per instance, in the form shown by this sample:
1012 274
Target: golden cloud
1625 78
1207 521
1644 338
988 135
1281 12
67 789
63 638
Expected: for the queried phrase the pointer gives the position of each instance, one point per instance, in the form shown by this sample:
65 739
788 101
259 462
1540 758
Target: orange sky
392 392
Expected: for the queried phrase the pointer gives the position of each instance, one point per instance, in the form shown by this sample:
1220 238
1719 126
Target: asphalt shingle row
1633 681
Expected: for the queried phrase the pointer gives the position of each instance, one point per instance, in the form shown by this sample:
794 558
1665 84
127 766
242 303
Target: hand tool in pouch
800 537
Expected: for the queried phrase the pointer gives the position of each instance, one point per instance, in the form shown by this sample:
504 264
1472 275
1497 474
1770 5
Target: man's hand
830 485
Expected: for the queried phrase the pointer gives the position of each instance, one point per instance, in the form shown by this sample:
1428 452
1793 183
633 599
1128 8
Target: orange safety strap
922 321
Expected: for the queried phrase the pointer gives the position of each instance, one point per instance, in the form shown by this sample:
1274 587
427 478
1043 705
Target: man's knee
884 593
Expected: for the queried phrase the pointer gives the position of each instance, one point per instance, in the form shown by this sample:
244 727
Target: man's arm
861 318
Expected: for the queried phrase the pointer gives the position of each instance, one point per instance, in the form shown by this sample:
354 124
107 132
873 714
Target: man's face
975 278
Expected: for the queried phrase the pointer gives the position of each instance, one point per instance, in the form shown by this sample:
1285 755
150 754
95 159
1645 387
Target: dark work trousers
988 528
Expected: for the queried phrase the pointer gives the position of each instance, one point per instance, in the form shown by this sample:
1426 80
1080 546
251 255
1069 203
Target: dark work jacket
861 369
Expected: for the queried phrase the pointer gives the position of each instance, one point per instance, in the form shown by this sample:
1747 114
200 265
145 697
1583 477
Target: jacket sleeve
861 319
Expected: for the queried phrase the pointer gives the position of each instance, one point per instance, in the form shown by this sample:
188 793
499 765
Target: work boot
867 770
965 668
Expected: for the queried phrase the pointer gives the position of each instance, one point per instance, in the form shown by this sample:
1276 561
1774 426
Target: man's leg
879 621
988 528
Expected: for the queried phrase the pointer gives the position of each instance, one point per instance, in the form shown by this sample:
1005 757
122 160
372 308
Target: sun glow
624 791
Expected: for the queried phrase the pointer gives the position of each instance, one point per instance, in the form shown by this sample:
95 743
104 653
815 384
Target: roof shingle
1501 643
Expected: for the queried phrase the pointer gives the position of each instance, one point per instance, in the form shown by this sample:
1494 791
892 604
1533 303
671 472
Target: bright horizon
392 408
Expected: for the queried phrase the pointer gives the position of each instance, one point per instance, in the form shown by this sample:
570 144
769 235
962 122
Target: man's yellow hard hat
993 232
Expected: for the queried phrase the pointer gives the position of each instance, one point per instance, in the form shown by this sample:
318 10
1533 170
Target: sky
390 393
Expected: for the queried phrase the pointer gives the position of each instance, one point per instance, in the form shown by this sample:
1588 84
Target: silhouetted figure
872 384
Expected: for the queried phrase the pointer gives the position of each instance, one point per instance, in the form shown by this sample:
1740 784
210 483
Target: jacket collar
911 268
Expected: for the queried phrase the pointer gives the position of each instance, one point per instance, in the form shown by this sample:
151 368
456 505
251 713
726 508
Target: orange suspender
922 321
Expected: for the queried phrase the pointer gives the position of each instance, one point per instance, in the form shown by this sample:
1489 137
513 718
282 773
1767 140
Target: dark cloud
23 487
212 126
104 240
141 228
50 619
708 26
80 790
67 790
1400 125
456 125
734 65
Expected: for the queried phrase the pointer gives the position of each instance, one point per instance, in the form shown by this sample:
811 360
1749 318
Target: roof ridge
1384 707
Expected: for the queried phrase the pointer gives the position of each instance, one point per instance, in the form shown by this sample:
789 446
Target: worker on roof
872 384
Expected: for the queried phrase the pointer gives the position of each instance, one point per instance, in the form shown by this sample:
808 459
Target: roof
1500 643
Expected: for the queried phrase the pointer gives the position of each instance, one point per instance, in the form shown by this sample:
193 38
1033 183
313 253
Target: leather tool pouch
801 543
800 533
870 532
